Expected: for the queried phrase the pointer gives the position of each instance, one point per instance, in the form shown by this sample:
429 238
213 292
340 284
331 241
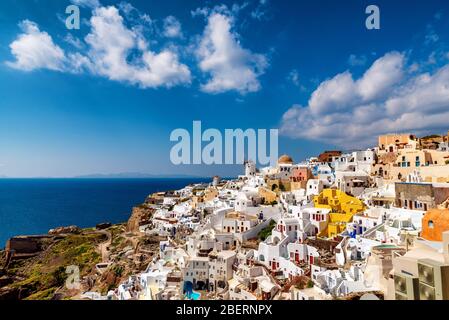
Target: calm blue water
33 206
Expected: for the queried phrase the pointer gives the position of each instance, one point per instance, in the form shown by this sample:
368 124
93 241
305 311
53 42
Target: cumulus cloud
172 27
352 113
111 50
342 92
35 49
119 47
220 54
111 44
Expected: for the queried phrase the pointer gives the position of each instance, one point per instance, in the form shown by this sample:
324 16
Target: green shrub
266 232
118 270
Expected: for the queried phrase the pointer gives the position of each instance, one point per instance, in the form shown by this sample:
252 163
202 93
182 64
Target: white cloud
35 49
111 44
123 53
111 50
87 3
355 60
385 99
383 74
134 15
293 76
230 66
75 42
172 28
260 11
342 92
431 36
223 9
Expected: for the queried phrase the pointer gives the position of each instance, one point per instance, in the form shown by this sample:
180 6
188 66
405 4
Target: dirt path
103 247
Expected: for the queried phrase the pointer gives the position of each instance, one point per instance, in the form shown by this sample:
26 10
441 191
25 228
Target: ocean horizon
33 206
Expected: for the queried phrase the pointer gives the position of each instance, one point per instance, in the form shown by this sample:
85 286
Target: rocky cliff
35 267
140 216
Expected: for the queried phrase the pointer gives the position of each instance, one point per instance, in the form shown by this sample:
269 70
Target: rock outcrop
65 230
25 247
103 226
140 216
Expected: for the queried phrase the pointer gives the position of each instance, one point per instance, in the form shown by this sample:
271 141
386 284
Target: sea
34 206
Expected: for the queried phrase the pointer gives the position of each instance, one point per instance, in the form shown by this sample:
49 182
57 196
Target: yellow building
210 193
433 165
395 142
343 207
268 195
278 185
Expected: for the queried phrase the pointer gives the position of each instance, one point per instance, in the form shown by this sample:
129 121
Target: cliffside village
370 224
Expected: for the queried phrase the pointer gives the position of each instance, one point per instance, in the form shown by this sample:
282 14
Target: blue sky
105 98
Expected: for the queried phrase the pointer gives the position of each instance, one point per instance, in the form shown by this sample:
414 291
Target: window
430 224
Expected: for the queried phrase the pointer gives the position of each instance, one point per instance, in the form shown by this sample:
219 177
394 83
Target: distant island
121 175
134 175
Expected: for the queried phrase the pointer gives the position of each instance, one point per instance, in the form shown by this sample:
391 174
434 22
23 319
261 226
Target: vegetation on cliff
266 232
34 268
42 276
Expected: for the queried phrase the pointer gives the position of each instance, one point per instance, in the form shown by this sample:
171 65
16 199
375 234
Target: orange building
299 178
434 223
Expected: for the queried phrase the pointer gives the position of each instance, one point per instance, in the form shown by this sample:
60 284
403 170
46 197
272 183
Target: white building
220 269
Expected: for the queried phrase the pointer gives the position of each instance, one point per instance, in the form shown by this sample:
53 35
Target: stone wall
414 192
24 245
